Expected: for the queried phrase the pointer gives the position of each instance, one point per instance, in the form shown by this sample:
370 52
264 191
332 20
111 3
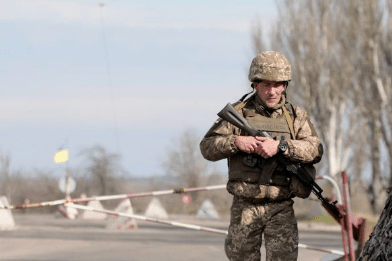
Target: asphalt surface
46 237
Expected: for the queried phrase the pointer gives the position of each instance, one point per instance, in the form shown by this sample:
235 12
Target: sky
130 76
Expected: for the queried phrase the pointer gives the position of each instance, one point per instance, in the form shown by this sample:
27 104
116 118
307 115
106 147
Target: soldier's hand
247 144
267 148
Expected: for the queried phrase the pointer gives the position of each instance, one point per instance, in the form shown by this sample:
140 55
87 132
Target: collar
263 109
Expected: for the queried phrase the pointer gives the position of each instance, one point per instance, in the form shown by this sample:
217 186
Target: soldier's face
270 92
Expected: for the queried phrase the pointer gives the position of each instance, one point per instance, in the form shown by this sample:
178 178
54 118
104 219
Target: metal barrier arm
189 226
112 197
144 218
70 203
335 185
352 227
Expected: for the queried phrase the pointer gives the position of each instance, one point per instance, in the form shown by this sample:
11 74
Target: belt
262 201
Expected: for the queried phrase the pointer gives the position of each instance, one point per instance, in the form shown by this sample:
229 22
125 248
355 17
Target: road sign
63 184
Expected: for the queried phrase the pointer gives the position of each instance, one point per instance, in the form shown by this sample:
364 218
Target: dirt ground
46 237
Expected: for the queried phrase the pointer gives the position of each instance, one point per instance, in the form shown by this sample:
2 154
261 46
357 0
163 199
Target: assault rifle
229 114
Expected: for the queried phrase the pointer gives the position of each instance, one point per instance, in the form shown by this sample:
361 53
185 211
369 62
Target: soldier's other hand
267 148
247 144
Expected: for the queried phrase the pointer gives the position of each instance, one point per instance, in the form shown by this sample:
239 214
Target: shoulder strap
242 102
289 121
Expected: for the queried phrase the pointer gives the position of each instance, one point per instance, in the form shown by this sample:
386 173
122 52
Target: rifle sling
289 121
266 175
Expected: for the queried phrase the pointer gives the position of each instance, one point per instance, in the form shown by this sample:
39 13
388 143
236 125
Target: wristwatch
283 145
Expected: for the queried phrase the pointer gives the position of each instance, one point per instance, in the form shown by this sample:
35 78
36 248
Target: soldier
263 192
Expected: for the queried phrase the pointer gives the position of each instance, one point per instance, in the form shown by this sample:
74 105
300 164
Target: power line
109 77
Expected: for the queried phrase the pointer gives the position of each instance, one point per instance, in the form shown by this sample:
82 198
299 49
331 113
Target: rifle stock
229 114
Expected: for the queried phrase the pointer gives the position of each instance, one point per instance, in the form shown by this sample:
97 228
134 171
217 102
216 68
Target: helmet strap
285 91
243 97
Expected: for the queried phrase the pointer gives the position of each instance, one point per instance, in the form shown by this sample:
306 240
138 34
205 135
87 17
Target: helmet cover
270 66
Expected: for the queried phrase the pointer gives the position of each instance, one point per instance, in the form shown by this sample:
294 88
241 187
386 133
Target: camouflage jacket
218 144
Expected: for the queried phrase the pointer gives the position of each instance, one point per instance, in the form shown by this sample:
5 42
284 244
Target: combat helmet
270 66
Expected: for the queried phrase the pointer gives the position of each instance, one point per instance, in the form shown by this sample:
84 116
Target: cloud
140 15
96 108
49 11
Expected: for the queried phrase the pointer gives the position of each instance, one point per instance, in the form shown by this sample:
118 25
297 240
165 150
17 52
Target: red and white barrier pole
139 217
155 220
330 251
346 222
112 197
189 226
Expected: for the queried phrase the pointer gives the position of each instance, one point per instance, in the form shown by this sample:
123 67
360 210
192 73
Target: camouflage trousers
250 220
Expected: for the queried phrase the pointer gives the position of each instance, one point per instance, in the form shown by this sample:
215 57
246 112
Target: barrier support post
352 227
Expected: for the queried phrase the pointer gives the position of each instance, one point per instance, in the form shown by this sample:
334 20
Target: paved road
44 237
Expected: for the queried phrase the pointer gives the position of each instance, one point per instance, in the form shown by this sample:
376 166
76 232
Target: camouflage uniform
260 209
250 220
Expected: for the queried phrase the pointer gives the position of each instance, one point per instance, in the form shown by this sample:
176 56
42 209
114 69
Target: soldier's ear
254 84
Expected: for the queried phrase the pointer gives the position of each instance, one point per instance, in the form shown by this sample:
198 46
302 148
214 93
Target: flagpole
67 187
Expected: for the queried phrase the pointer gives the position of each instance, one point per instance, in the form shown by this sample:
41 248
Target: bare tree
103 169
37 186
341 55
308 32
257 37
5 176
373 92
185 161
384 62
378 246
